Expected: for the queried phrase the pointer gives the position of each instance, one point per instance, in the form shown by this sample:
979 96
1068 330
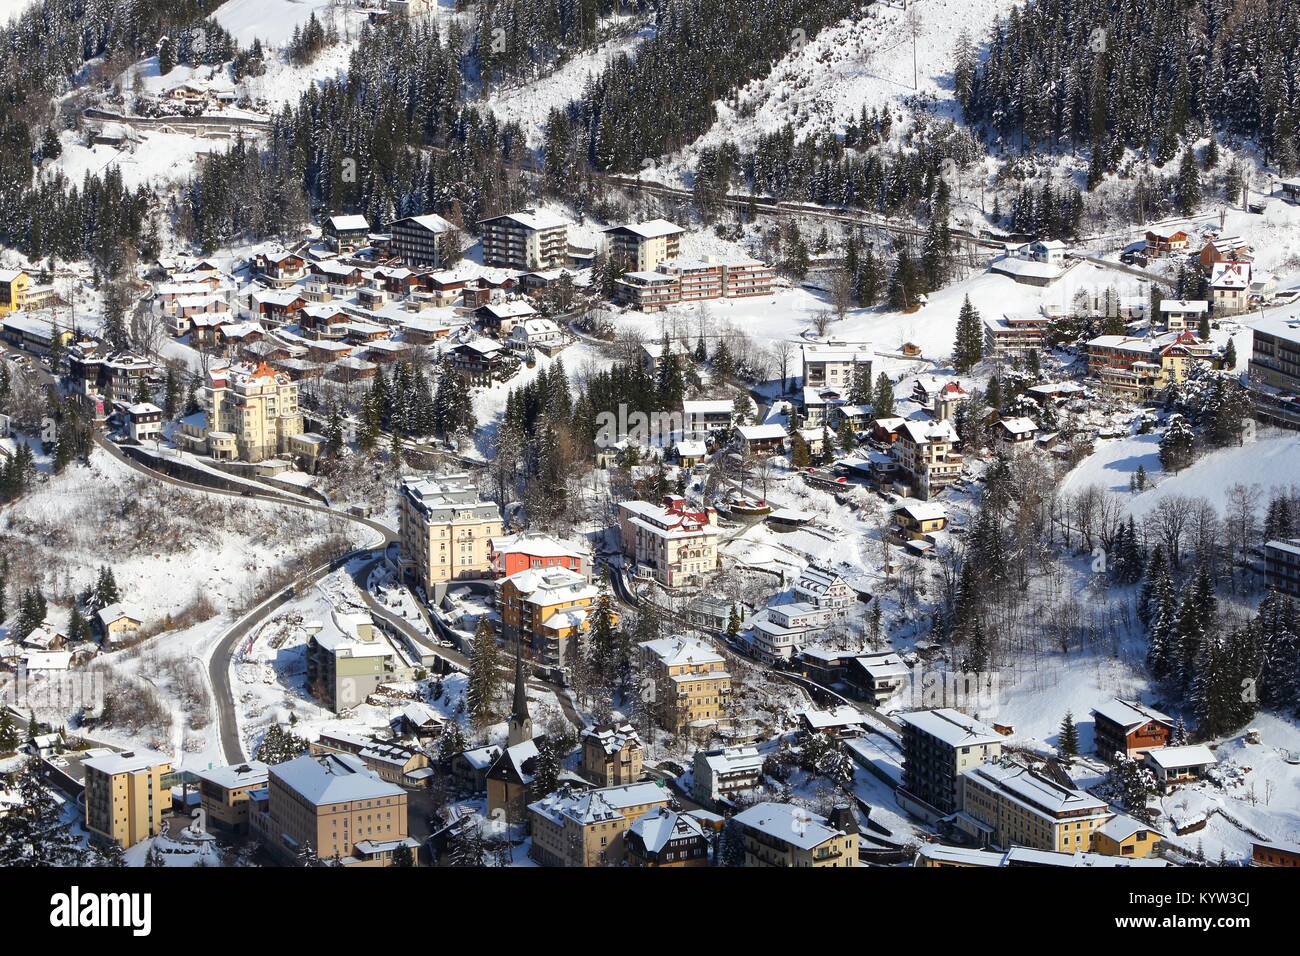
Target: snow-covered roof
650 229
531 219
115 612
672 651
1180 758
657 828
250 772
1184 305
789 824
841 716
1120 827
125 761
952 727
348 223
332 778
924 510
1130 714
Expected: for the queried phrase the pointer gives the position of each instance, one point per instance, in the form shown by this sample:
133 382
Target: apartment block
689 681
1016 806
782 835
835 364
1275 371
937 746
348 658
642 246
693 280
725 772
418 240
446 530
926 458
587 829
678 543
1015 335
546 610
1282 566
226 795
14 284
526 240
336 806
125 796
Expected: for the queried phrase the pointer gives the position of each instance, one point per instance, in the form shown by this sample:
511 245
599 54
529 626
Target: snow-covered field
271 21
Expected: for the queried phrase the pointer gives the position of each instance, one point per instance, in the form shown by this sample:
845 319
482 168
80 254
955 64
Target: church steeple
521 725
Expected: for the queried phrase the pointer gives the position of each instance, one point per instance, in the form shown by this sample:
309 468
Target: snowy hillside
864 62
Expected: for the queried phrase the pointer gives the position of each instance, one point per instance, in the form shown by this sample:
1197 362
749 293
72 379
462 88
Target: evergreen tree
33 832
484 674
968 349
1068 744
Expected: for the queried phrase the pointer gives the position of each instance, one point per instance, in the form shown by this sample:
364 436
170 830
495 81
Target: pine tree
968 349
882 402
484 674
1189 184
33 832
1068 745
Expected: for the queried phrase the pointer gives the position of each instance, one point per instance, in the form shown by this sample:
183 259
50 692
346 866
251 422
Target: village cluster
796 787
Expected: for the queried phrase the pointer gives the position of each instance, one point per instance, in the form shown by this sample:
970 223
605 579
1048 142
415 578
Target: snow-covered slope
863 61
271 21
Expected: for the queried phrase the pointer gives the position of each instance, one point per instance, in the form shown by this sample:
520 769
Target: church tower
521 725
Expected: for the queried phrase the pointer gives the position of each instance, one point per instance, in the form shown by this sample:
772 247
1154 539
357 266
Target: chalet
886 430
117 622
1014 434
323 320
705 416
1225 249
1180 314
857 417
1173 765
667 838
825 589
1270 853
1166 240
939 396
347 233
480 360
277 305
1230 287
690 452
1038 263
838 723
761 439
920 518
499 319
1129 727
280 269
1290 190
357 332
876 677
538 334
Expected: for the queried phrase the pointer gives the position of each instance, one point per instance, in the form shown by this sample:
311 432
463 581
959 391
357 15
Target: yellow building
334 804
780 834
250 413
689 682
546 610
587 829
14 284
225 795
446 530
125 796
1124 836
1014 806
612 754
